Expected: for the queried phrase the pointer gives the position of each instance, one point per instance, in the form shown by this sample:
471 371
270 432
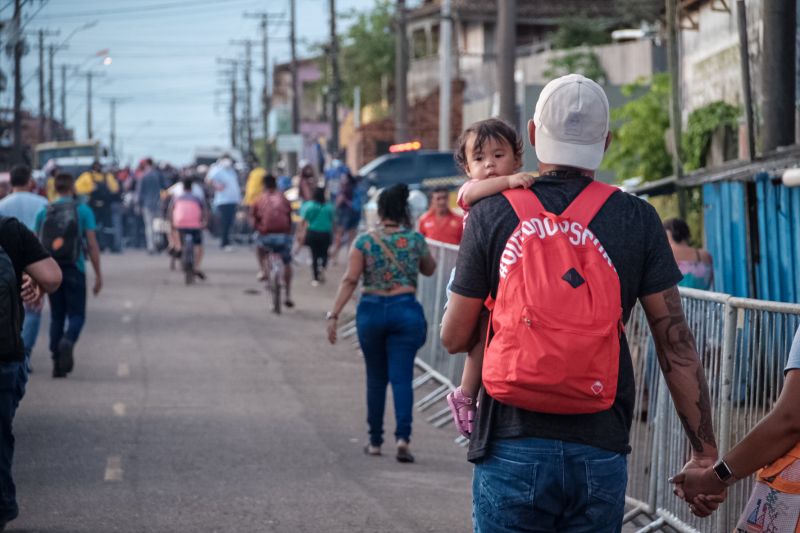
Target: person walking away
148 200
25 270
334 176
271 216
315 231
348 213
24 206
775 442
63 227
695 264
390 321
284 179
439 223
100 189
227 195
189 217
305 182
564 263
254 186
490 153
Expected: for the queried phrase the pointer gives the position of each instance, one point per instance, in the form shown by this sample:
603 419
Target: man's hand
520 180
332 334
30 293
98 284
698 485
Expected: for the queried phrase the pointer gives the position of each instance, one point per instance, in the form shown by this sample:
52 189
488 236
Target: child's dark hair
393 204
678 228
492 128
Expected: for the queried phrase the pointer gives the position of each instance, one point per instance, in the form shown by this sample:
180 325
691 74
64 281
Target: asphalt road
195 409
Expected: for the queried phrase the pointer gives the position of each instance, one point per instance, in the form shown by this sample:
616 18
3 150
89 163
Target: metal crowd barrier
743 344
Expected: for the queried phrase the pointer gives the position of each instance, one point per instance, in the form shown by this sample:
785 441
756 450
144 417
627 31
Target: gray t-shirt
794 353
630 230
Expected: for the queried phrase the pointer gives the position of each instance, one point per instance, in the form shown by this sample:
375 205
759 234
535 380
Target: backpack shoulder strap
585 206
525 203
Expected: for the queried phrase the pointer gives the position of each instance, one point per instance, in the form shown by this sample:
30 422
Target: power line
192 5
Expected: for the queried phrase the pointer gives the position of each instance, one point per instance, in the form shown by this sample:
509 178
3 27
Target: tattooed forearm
673 339
705 430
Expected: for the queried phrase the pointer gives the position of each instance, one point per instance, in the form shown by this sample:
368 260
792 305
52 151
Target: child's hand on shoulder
520 180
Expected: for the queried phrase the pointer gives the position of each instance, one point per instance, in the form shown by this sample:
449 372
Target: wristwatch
330 315
724 473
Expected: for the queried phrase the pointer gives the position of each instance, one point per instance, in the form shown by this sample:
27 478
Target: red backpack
557 317
274 213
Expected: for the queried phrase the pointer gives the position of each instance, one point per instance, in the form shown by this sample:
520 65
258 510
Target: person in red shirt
440 223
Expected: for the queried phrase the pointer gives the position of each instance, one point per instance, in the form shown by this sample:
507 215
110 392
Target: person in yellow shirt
254 186
101 190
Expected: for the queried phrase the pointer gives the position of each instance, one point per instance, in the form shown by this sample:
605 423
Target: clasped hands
699 486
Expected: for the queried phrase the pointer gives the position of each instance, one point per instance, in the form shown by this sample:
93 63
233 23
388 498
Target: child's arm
483 188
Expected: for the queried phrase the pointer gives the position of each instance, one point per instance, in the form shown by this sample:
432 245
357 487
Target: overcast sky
164 64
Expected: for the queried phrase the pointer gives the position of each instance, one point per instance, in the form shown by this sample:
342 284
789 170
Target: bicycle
274 278
187 257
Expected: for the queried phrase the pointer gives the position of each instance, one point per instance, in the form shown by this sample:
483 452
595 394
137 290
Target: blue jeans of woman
390 330
13 378
544 485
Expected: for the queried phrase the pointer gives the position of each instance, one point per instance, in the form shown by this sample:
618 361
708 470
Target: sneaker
227 249
289 304
314 283
462 407
262 276
369 449
57 372
403 453
200 274
65 360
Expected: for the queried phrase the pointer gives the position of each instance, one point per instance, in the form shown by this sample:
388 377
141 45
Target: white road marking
126 319
123 370
119 409
113 468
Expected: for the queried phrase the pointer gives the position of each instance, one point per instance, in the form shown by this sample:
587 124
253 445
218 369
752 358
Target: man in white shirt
23 205
227 195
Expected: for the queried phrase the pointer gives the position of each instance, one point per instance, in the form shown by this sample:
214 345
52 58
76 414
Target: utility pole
113 101
506 58
51 109
333 92
64 97
41 86
18 49
400 74
673 62
777 79
247 121
233 107
747 93
89 105
295 84
445 75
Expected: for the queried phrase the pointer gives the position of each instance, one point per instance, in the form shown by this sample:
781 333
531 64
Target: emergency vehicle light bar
405 147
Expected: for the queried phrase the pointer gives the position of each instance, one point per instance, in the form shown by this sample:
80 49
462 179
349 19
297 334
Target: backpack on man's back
557 317
275 214
60 232
10 308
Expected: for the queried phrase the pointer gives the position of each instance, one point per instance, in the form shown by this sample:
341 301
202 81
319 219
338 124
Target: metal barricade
743 344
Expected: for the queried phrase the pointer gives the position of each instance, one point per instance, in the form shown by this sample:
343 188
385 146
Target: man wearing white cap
549 447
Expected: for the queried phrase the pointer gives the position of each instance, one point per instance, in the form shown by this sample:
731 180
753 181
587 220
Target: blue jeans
30 330
227 212
390 330
542 485
13 378
67 307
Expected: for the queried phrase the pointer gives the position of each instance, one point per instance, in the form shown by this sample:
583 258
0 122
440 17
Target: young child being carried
490 152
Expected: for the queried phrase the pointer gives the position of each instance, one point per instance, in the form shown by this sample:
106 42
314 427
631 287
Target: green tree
581 62
580 31
702 124
638 146
367 53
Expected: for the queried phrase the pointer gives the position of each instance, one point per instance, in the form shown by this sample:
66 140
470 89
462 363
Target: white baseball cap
571 121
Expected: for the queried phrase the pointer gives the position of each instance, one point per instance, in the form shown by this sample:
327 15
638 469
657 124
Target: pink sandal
463 409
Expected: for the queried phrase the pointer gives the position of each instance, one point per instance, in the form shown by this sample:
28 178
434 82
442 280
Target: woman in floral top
390 322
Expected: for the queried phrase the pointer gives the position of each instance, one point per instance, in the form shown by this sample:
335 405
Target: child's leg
471 377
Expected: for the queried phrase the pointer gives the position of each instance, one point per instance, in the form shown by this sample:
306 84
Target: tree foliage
581 62
702 124
580 31
638 146
367 53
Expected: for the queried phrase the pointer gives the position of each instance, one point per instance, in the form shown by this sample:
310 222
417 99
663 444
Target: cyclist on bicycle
271 216
189 216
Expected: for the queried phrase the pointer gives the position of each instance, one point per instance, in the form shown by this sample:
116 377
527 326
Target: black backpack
101 197
60 234
10 308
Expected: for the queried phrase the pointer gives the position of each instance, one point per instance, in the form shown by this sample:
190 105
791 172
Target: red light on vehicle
405 147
